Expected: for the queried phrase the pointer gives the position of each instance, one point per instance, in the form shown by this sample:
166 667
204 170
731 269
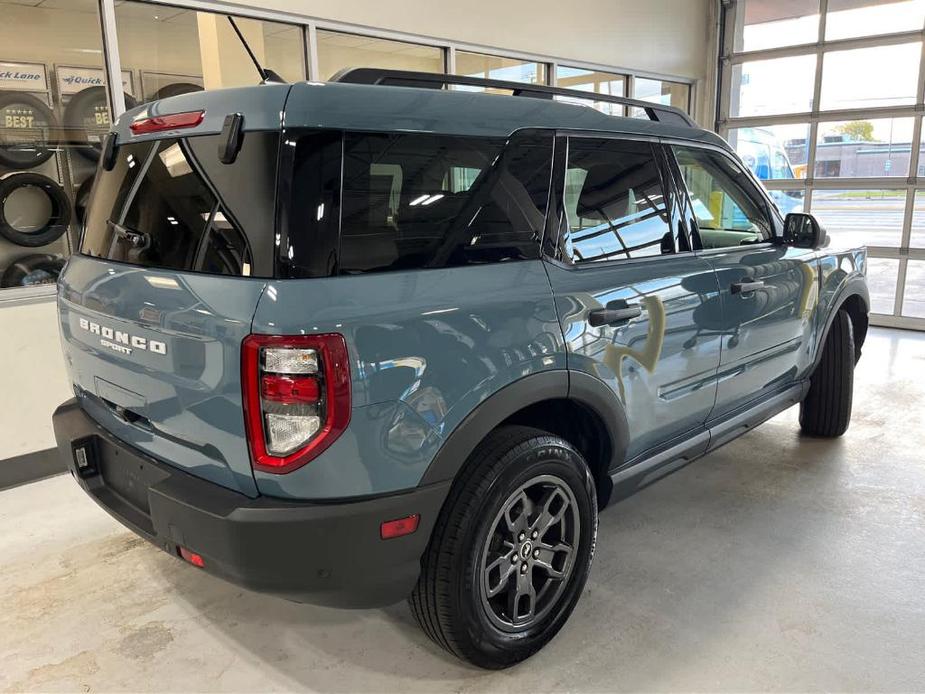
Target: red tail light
172 121
296 397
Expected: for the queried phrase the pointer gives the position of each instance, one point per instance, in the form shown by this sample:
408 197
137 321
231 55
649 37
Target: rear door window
614 202
412 200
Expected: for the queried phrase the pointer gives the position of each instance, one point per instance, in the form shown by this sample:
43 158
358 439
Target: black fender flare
854 285
558 384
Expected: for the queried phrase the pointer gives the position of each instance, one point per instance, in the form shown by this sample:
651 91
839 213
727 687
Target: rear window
170 204
396 201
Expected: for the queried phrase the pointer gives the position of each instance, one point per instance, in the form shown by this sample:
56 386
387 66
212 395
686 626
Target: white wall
663 36
33 381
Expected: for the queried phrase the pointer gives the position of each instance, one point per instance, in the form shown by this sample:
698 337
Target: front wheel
511 551
826 409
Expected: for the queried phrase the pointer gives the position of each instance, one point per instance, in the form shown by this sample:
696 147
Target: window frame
763 199
555 209
334 238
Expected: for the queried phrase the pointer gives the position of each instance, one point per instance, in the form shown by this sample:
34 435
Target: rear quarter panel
426 347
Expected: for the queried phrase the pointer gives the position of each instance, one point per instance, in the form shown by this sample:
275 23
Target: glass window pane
179 50
870 77
861 217
614 203
850 18
917 239
661 92
592 81
914 293
881 282
768 87
498 68
337 51
772 23
773 152
864 148
413 201
727 212
51 74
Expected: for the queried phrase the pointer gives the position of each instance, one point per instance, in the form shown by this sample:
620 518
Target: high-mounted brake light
172 121
296 397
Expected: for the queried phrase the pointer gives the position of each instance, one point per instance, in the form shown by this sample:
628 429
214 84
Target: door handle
746 285
614 313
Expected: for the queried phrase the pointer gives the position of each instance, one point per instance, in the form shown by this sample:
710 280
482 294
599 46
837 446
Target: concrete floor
777 563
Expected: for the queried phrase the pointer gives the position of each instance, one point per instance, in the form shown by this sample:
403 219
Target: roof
410 109
378 108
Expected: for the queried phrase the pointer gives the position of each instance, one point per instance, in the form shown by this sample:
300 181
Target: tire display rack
51 138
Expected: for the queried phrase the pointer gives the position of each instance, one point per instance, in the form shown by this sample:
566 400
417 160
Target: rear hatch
174 256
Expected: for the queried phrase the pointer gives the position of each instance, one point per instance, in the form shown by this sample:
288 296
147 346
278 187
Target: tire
86 115
25 108
826 409
31 270
451 601
175 89
57 221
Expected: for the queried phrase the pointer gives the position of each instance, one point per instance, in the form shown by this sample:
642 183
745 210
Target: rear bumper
321 553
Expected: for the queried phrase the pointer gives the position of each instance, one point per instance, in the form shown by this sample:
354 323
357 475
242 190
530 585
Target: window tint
155 210
614 202
727 208
420 200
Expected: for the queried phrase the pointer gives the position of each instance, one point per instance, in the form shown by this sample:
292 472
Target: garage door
823 100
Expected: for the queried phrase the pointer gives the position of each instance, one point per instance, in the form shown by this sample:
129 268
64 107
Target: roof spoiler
669 115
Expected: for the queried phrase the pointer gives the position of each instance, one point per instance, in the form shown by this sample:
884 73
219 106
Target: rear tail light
172 121
296 397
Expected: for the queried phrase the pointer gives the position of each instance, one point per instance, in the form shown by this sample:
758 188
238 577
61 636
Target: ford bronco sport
386 337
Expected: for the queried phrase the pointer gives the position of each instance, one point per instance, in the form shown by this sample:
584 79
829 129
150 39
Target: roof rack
669 115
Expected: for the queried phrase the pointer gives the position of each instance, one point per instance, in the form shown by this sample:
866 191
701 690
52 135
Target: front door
769 291
630 295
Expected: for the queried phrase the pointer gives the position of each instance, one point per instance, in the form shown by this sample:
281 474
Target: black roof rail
670 115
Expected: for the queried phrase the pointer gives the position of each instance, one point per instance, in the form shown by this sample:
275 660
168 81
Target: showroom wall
609 46
622 33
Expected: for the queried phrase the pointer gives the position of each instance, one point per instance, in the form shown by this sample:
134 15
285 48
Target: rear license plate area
127 475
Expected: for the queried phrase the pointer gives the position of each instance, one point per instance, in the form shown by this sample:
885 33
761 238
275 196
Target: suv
357 341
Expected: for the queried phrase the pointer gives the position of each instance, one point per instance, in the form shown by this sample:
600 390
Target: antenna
266 75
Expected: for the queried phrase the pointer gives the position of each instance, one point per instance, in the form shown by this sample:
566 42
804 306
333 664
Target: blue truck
379 338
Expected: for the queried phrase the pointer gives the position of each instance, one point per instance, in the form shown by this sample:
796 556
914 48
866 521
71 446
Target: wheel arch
578 407
854 298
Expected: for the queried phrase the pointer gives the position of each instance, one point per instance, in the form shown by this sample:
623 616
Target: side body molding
557 384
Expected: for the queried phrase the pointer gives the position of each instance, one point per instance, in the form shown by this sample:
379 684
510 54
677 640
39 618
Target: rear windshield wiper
138 239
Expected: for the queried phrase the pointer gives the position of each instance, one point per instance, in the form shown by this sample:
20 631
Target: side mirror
803 231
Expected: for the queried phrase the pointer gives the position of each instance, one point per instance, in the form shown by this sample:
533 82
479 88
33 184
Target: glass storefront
53 111
55 100
174 51
337 51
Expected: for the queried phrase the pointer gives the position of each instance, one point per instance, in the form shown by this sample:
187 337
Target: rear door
154 308
631 297
769 290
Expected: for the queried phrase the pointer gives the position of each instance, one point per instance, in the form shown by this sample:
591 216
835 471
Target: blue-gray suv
393 336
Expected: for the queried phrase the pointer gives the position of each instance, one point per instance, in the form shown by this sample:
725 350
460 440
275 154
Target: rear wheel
826 410
511 552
